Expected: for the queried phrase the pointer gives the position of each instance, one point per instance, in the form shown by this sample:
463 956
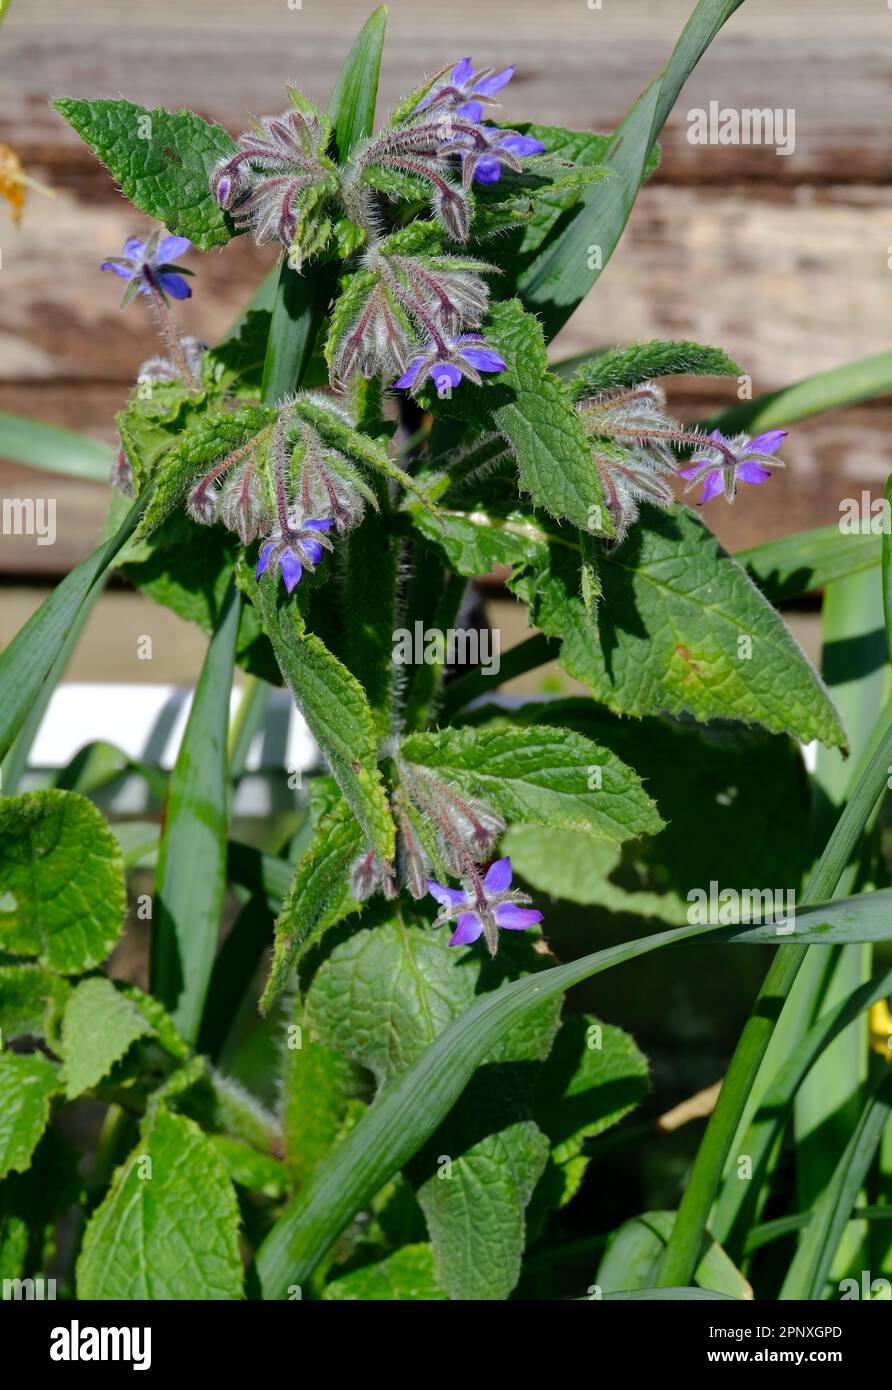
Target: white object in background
147 723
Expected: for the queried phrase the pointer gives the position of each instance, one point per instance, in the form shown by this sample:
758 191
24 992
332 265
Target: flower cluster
466 93
285 485
413 322
440 830
632 437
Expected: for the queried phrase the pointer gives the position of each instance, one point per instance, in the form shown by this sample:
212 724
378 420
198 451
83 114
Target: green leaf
407 1274
544 776
594 1075
632 365
162 161
409 1109
31 657
633 1257
808 560
318 897
31 1000
28 1082
191 875
318 1086
736 1210
205 442
67 452
682 630
98 1027
168 1226
352 103
381 998
532 409
62 894
565 269
551 200
726 767
336 710
256 1172
151 424
475 542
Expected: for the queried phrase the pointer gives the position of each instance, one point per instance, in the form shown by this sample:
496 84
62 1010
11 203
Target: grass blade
869 785
814 1255
833 390
191 873
54 450
560 276
29 660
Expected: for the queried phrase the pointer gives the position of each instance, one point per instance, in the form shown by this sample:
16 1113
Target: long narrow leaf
191 874
814 1255
869 785
28 661
54 450
833 390
561 275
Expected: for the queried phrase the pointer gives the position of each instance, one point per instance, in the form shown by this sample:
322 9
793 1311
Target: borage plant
382 427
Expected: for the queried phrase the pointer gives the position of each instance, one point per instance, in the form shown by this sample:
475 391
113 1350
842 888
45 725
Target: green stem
683 1249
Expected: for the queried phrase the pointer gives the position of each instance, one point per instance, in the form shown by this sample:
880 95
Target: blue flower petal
408 377
471 111
487 170
522 145
174 285
125 272
292 569
488 86
485 360
446 897
469 929
263 559
171 248
498 876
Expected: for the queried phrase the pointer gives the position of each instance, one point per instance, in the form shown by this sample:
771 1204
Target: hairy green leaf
162 160
532 409
318 897
28 1082
381 998
98 1027
205 442
681 630
632 365
337 712
542 775
168 1226
406 1274
61 881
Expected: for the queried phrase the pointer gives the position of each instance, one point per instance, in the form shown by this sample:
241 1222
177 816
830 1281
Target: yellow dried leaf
12 184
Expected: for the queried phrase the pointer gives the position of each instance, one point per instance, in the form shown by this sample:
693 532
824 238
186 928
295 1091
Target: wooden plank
576 66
